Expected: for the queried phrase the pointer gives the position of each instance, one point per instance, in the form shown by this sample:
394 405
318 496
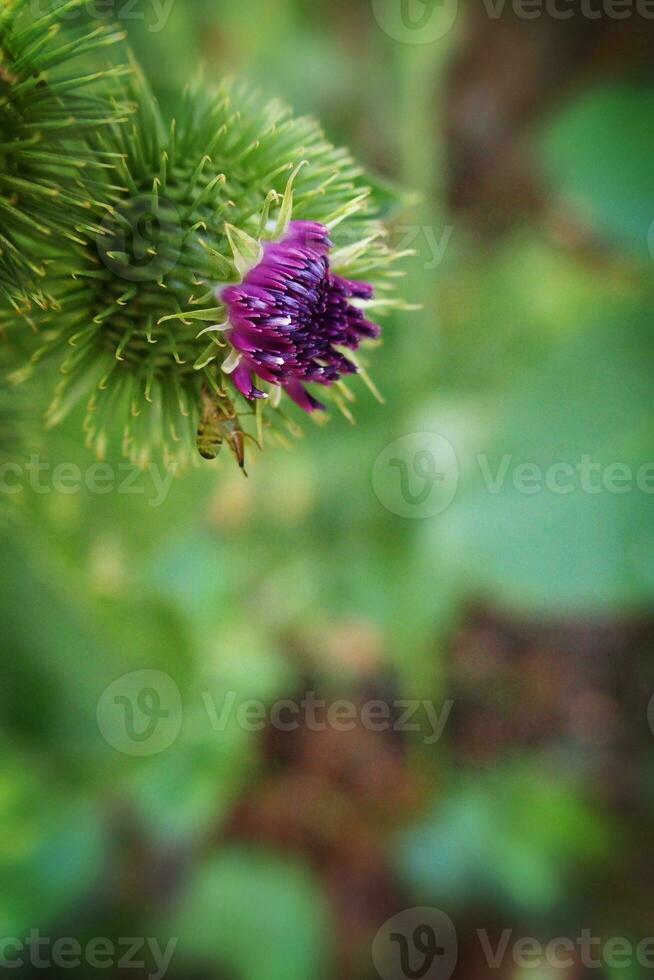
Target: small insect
219 424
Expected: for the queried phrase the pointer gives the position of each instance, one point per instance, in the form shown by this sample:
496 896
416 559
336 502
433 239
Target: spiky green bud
50 98
187 208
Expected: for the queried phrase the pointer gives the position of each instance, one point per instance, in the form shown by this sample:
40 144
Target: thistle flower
291 315
142 332
48 102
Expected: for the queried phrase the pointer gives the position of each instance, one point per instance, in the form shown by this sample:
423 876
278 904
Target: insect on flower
219 424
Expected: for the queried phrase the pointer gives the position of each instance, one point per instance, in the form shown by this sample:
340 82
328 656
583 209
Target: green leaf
598 154
256 916
581 420
51 852
511 834
48 655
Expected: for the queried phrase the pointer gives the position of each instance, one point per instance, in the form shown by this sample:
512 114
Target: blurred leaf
188 788
149 630
51 660
255 915
587 548
51 850
506 306
186 791
515 835
598 152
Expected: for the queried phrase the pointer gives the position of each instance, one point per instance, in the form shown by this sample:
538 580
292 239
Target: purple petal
291 313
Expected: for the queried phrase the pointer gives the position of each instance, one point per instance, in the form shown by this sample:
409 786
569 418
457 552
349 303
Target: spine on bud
51 96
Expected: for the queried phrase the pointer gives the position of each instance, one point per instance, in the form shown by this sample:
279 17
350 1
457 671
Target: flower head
235 191
291 316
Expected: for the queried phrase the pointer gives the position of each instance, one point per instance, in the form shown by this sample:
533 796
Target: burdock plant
50 100
231 261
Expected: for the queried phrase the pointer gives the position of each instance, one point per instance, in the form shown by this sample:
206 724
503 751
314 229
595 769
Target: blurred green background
522 615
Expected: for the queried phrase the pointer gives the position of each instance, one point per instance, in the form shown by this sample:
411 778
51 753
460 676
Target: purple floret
290 314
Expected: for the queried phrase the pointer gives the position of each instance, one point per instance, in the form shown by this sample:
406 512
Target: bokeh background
524 617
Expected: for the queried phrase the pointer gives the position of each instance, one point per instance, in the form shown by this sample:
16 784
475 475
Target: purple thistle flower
291 313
